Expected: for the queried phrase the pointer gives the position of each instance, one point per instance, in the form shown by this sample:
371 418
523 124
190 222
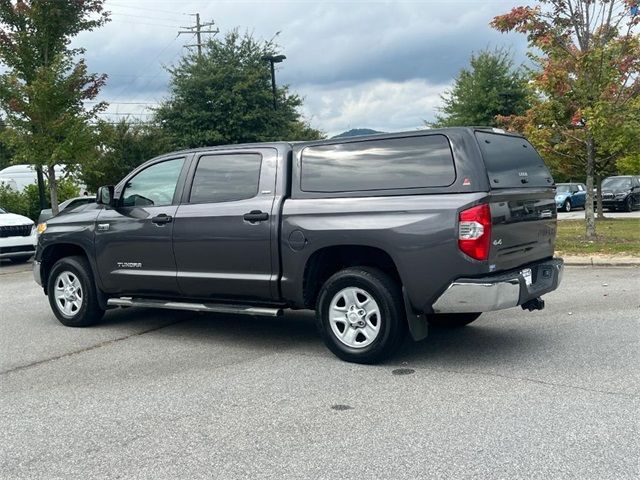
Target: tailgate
523 226
522 200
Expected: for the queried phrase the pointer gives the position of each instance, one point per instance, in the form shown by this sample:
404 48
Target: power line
145 23
162 19
131 7
112 102
125 113
145 69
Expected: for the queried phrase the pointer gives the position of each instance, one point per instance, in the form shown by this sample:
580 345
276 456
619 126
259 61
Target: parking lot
148 394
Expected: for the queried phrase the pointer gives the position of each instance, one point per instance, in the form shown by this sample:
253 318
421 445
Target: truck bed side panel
417 231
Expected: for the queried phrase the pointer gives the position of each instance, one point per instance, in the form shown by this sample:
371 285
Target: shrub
27 202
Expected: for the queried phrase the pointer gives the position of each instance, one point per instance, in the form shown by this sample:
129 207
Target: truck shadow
478 345
485 343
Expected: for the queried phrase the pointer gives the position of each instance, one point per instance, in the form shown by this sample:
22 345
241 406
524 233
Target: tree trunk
53 189
588 208
599 197
41 193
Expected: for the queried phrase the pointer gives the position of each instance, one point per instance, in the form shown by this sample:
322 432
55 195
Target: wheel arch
52 253
326 261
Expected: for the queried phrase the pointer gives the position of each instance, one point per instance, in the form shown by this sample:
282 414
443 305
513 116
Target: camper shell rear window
512 162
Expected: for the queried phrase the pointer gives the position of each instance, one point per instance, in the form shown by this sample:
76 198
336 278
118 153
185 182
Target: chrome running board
194 306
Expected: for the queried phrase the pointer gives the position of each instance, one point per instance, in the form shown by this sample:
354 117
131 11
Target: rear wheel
361 315
567 205
72 293
452 320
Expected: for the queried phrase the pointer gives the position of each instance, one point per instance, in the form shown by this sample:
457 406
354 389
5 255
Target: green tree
490 87
224 96
588 79
6 154
46 81
122 147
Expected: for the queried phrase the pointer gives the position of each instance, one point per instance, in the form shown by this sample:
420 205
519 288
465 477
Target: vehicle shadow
251 332
478 345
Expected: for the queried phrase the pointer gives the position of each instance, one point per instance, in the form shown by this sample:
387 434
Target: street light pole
273 59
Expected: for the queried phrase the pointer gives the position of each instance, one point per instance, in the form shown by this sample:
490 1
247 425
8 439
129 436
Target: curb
580 261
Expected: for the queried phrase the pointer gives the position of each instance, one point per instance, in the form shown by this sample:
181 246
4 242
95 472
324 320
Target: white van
18 177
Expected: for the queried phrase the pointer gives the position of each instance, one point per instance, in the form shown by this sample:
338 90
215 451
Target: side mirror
105 196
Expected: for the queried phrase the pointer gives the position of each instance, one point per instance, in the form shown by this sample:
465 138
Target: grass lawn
616 236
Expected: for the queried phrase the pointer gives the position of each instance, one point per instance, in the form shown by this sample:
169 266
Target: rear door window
385 164
512 162
226 178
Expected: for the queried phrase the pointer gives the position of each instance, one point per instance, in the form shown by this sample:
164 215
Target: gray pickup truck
378 234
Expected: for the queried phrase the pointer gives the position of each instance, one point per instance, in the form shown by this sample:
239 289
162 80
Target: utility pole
198 30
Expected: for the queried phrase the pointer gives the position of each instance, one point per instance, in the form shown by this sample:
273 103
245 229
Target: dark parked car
378 234
570 196
69 204
621 193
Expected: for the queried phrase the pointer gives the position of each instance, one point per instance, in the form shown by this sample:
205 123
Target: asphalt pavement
165 395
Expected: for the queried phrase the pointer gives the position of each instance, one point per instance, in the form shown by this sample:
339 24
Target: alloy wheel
354 317
68 294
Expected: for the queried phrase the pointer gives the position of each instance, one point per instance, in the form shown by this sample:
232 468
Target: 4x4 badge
497 242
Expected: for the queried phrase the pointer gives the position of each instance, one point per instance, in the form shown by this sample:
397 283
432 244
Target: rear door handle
162 219
256 216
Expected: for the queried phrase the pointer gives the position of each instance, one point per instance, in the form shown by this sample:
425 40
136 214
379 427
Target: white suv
18 237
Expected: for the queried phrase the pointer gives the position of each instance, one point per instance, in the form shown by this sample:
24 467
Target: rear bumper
500 291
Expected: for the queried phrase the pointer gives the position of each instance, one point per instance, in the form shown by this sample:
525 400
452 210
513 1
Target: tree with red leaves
46 82
587 84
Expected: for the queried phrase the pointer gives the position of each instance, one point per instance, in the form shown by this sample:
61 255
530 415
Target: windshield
615 183
563 188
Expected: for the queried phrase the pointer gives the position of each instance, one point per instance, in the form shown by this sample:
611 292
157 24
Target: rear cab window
512 162
226 178
372 165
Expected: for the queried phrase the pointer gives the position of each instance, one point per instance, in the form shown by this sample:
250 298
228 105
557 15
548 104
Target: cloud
378 104
357 63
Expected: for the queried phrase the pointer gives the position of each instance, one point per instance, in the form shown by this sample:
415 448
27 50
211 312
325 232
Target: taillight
474 231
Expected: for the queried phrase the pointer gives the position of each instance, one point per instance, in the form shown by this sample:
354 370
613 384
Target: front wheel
452 320
567 205
628 205
361 315
72 293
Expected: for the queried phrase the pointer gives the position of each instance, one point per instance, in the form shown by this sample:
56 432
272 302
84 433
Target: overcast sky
357 64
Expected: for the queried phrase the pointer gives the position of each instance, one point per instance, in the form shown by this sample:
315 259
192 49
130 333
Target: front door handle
162 219
256 216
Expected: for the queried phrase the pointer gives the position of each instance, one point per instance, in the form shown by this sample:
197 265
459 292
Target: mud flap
418 325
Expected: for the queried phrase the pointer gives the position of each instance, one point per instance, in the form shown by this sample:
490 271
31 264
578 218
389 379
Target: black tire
567 205
19 260
89 312
452 320
386 292
628 204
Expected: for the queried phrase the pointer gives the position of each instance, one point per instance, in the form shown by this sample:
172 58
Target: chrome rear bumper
500 291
